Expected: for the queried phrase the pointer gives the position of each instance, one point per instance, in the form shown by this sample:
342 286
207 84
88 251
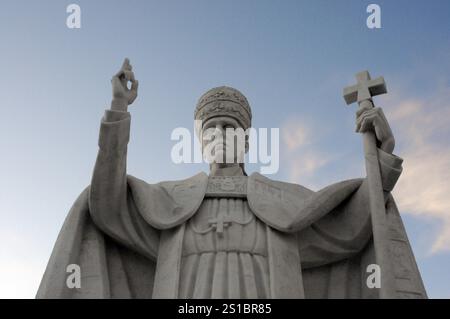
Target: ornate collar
227 186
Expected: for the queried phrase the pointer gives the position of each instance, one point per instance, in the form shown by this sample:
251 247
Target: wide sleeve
346 230
110 200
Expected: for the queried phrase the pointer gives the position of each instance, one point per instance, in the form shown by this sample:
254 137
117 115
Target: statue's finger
380 119
134 85
381 112
129 75
361 123
362 110
126 64
363 115
379 133
133 97
367 123
132 79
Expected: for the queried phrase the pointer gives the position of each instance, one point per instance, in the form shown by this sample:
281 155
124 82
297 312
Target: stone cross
219 223
364 89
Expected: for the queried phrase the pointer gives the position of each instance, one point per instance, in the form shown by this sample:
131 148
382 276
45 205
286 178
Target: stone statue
226 234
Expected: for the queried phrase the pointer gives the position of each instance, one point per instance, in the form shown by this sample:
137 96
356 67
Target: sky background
290 58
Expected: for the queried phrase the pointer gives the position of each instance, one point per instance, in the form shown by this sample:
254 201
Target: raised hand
122 95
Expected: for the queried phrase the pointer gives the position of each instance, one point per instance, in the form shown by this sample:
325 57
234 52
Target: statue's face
223 140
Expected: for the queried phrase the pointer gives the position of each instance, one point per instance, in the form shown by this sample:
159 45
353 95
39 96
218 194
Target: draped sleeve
345 231
111 202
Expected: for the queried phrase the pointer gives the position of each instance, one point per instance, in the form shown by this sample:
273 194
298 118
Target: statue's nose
219 127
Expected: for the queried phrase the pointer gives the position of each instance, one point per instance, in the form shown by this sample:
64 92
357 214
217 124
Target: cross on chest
220 222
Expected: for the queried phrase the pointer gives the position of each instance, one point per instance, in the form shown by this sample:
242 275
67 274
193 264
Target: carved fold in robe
132 239
224 252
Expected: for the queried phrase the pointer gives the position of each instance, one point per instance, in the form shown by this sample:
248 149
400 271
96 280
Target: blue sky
290 58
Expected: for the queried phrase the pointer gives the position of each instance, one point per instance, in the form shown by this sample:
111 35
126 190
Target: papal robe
222 236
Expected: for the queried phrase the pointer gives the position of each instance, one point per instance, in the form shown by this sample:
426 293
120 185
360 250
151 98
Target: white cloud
305 159
296 135
422 130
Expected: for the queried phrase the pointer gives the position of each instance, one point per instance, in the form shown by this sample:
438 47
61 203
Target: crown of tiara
211 104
